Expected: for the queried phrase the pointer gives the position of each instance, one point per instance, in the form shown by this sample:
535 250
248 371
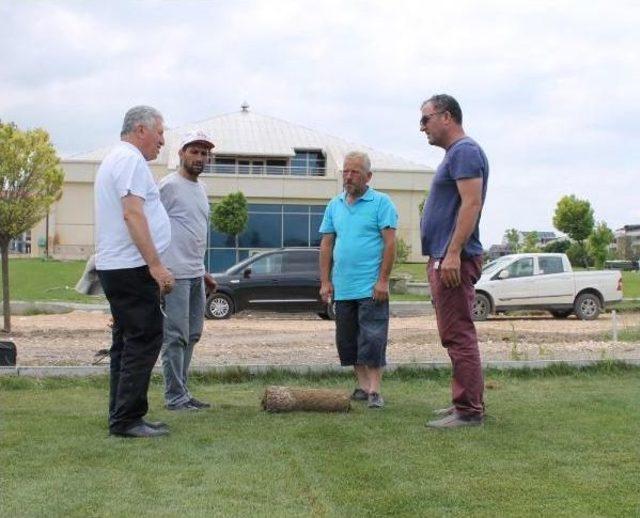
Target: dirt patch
74 338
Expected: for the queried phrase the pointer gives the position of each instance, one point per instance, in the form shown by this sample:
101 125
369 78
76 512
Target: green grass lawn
417 271
631 284
46 280
561 443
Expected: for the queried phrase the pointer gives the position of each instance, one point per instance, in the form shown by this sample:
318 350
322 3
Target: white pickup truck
546 282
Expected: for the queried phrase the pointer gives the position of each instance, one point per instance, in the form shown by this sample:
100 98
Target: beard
194 169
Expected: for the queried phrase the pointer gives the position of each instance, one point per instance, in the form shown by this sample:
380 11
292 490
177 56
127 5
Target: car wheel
587 306
329 313
481 307
561 313
218 306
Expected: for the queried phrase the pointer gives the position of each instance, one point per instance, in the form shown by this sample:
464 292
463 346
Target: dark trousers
134 298
458 334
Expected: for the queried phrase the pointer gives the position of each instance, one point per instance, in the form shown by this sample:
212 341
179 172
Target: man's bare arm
471 204
381 289
326 256
136 221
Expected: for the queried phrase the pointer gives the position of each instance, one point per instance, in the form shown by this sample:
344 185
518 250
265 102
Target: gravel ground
74 339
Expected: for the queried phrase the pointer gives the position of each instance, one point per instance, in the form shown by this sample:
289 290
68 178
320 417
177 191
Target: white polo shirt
124 170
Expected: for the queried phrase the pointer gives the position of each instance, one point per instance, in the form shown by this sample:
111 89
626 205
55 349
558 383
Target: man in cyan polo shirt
356 255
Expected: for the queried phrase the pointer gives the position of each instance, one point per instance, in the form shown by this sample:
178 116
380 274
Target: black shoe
199 404
141 431
156 425
182 406
359 395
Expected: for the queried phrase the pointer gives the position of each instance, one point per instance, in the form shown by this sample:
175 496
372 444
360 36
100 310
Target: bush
578 256
559 246
403 250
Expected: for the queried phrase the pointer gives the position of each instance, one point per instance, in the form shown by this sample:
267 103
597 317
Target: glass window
276 166
521 268
218 239
299 209
270 264
314 234
317 209
263 231
257 167
220 259
550 265
224 165
308 162
295 230
265 207
244 166
296 262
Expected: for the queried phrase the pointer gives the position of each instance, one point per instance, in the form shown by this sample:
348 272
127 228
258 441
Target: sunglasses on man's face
424 120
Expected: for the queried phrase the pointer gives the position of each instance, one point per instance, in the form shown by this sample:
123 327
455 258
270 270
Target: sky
550 89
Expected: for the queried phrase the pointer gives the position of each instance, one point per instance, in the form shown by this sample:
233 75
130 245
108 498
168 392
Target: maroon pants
458 334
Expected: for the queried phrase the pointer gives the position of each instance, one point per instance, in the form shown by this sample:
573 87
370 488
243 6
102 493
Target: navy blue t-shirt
464 159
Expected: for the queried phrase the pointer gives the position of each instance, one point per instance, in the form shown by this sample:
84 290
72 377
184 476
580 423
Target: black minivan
284 280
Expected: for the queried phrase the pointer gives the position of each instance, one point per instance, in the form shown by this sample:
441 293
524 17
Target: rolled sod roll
290 399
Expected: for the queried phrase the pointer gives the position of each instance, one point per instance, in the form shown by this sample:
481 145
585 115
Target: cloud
548 88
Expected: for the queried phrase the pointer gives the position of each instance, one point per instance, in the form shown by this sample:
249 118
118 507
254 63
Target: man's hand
381 291
163 277
326 291
210 283
450 270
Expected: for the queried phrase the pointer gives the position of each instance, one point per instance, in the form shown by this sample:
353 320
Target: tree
574 217
512 236
530 244
599 240
230 216
30 182
578 255
559 246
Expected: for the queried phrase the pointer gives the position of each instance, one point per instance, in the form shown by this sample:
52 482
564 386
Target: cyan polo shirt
357 251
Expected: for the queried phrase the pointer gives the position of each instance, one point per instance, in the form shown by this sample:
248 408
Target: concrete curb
100 370
21 308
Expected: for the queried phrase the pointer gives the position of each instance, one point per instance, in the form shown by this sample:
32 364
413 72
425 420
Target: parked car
286 280
626 266
544 282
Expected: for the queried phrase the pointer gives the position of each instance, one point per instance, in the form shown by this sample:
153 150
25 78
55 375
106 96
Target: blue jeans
183 325
362 330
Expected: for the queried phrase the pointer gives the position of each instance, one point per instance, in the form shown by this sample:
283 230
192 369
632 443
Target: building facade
287 172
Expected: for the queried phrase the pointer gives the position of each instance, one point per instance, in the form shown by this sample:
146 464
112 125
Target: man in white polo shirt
132 230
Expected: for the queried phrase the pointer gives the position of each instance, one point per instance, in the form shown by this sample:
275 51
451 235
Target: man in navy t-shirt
450 237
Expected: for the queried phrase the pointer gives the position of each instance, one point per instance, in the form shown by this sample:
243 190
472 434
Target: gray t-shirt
187 205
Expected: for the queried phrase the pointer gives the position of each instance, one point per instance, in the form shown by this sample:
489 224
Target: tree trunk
6 307
289 399
237 236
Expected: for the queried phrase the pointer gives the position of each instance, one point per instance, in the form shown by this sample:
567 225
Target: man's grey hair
362 156
145 115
